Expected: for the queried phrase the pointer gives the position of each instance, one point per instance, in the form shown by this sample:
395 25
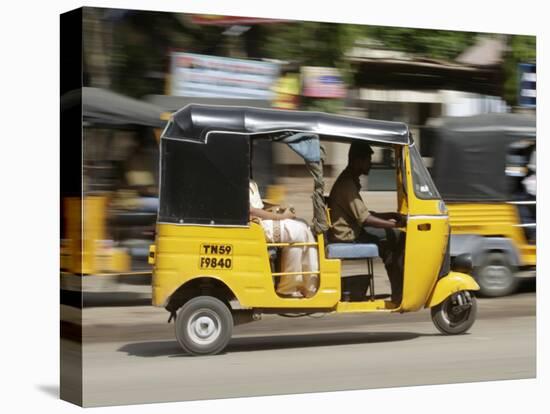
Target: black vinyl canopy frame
205 156
470 154
197 122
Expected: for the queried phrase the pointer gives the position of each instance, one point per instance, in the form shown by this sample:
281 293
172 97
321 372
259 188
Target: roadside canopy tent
103 107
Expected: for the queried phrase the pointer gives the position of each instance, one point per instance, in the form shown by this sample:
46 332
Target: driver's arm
374 221
399 218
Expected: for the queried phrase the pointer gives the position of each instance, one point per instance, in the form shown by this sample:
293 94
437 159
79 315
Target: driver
353 222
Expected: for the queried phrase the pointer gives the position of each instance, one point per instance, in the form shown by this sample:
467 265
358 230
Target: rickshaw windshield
424 187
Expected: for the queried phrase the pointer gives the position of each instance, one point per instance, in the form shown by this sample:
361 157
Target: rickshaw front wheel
456 314
204 326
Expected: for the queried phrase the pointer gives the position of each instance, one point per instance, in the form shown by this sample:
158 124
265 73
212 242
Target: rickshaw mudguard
446 286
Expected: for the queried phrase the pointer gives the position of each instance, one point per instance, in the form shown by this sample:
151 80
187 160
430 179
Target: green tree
139 43
140 47
326 44
431 44
313 44
521 49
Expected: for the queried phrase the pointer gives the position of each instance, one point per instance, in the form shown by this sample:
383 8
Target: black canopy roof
103 107
470 154
209 184
508 123
195 122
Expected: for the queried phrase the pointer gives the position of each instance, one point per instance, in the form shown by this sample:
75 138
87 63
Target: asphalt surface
130 354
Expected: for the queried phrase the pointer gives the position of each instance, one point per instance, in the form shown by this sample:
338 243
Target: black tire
496 276
449 322
204 326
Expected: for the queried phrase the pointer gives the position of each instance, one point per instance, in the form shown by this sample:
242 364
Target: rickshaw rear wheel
203 326
455 315
496 276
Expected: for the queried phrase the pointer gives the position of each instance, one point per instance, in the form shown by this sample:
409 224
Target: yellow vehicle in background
108 219
213 267
480 165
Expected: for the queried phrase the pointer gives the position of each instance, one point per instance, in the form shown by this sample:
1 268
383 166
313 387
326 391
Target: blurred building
390 85
396 86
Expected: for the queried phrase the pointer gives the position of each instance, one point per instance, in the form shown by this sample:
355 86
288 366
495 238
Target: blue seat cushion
352 250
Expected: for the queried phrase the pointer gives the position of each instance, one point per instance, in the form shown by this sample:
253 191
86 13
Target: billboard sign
220 77
321 82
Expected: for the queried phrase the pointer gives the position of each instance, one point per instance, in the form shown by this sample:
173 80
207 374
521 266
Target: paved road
131 356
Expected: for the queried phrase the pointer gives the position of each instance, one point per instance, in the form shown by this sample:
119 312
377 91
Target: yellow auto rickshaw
108 217
480 166
212 266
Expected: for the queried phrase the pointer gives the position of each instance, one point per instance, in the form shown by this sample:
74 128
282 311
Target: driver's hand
402 220
397 217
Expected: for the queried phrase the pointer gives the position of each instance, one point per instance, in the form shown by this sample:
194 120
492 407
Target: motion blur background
141 66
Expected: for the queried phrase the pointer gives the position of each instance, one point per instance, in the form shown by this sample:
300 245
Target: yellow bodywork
85 249
238 258
452 283
180 250
426 243
496 219
424 253
84 220
377 305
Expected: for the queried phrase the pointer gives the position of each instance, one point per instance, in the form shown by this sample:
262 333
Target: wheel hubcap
496 276
204 327
453 314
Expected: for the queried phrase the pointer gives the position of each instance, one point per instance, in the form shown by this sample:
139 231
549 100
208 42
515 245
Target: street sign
527 85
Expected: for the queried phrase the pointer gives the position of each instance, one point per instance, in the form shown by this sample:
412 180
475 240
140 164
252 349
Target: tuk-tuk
212 266
480 164
108 223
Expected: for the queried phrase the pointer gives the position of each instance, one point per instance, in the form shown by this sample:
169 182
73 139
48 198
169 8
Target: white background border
30 201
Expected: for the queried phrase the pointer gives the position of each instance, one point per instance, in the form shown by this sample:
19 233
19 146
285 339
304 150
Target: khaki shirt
348 212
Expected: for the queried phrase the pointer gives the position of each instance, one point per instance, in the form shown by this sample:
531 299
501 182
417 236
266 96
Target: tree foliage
522 49
326 44
427 43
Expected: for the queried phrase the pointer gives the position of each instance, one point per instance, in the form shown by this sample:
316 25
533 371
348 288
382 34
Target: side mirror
462 263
